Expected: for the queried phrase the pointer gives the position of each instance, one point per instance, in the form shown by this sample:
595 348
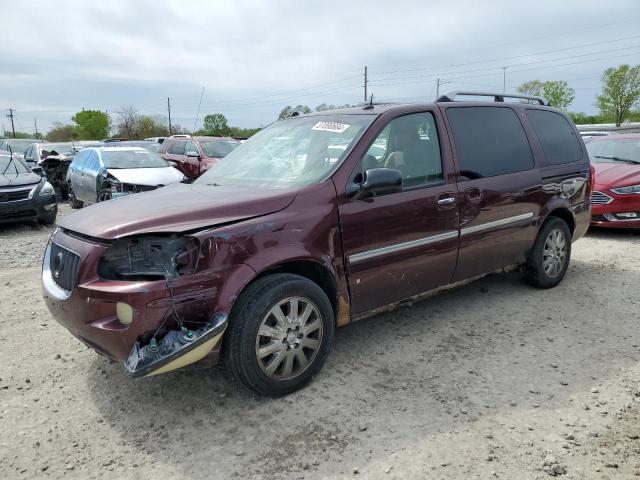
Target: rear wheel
549 258
280 334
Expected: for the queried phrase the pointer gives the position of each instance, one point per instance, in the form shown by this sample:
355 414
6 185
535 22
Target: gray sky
254 57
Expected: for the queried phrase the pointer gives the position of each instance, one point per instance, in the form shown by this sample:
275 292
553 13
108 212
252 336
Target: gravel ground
493 380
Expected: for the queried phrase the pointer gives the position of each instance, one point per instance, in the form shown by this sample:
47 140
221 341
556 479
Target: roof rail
180 135
497 97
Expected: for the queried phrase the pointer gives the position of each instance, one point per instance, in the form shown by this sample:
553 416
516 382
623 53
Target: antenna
370 105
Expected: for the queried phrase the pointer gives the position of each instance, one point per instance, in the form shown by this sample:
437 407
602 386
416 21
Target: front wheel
279 334
73 201
104 195
549 258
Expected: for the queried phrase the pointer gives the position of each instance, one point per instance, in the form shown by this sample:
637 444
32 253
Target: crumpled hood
175 208
147 176
616 174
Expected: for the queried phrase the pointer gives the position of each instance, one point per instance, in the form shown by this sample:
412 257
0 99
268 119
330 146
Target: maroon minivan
317 221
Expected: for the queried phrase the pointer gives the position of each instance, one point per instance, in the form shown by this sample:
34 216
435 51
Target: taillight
592 178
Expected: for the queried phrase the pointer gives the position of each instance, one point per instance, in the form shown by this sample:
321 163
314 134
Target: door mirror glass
379 181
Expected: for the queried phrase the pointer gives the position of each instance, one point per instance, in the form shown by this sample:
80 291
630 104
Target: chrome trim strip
47 279
377 252
498 223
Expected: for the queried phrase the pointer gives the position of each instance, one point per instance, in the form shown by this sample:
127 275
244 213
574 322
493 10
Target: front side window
218 149
556 136
409 144
178 148
489 141
290 153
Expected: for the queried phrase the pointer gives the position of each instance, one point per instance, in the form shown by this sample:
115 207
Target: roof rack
497 97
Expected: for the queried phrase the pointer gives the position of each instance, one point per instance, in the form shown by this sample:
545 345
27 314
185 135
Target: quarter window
177 148
556 136
409 144
489 141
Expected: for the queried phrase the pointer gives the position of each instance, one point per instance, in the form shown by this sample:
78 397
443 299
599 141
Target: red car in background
615 201
195 155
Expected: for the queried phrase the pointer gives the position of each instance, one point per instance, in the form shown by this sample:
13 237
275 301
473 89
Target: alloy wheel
554 253
289 338
104 196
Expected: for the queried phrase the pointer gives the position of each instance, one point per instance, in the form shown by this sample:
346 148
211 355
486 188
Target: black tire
104 195
49 218
252 309
73 201
544 268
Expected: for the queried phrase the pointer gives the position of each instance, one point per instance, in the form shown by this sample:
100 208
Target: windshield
294 152
18 146
59 148
8 167
614 150
218 148
132 159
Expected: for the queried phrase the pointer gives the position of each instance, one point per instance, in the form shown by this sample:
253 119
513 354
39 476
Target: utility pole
13 128
366 81
35 124
169 108
504 79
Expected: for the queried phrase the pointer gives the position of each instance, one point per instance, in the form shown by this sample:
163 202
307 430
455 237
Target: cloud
254 57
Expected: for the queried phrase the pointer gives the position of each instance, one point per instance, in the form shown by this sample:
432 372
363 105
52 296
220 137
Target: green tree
558 93
92 124
216 124
9 134
620 91
532 87
287 111
62 133
152 126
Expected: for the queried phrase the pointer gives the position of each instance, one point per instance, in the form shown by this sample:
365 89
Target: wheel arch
564 214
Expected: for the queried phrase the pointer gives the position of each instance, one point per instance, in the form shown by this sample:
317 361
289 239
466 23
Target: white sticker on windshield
334 127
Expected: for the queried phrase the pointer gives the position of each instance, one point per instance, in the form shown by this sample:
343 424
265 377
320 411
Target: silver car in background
99 174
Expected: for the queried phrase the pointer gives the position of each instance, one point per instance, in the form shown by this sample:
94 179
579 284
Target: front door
177 154
401 244
499 188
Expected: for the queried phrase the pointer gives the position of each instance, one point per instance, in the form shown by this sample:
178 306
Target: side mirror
193 154
378 181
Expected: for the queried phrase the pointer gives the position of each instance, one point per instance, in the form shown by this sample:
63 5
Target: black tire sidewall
535 270
104 190
245 323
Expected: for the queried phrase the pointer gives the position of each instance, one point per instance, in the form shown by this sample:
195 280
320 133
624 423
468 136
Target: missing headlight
149 257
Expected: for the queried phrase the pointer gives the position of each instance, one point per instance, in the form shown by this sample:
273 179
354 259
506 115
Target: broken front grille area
64 265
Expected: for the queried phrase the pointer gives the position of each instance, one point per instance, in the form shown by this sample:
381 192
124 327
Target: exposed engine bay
55 167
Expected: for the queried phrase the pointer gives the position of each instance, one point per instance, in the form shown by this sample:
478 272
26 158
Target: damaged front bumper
91 308
177 349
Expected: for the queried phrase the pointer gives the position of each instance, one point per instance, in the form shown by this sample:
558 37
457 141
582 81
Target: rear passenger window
558 140
489 141
177 148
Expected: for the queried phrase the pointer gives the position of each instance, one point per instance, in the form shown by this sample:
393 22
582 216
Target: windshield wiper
619 159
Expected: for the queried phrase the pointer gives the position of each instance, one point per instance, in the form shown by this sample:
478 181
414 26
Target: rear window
556 136
489 141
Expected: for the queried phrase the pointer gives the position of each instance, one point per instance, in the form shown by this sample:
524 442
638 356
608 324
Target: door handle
445 200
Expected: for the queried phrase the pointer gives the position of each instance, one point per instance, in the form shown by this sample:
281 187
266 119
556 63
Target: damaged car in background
288 237
24 194
54 159
103 173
